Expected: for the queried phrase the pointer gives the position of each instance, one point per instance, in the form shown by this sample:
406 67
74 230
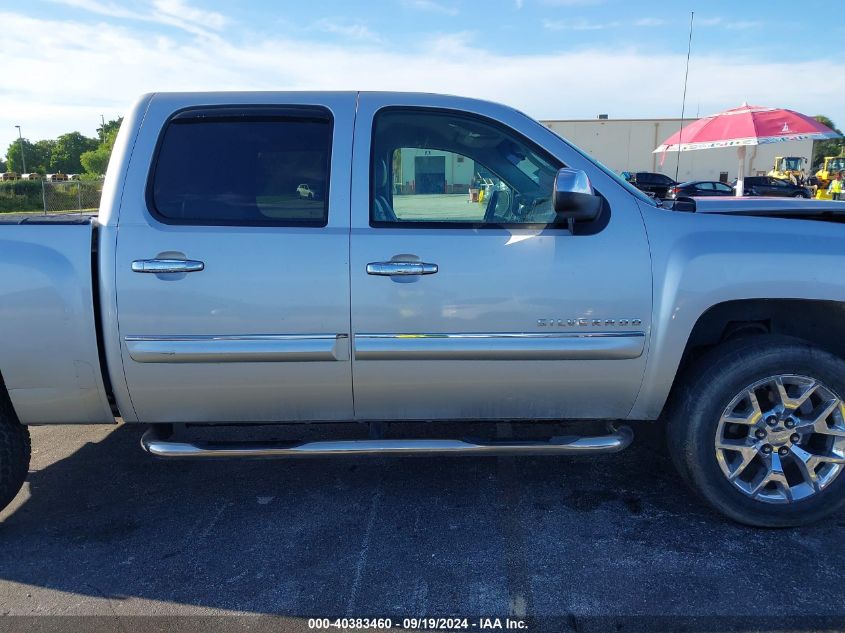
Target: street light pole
23 155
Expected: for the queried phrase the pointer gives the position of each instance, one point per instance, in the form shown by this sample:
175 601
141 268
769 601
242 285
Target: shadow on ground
579 540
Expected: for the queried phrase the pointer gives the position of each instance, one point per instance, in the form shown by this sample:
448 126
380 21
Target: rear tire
15 451
718 438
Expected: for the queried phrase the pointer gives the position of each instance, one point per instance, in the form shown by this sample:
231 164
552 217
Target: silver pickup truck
451 260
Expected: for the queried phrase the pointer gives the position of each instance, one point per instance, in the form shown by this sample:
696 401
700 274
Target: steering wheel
492 205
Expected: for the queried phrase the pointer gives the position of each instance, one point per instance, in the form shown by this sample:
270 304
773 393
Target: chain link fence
73 196
50 198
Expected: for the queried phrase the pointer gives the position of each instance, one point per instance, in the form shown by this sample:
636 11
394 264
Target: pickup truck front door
468 300
232 270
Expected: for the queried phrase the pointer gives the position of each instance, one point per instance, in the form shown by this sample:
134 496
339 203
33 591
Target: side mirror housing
573 197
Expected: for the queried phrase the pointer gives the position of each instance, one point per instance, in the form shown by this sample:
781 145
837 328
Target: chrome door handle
159 266
390 269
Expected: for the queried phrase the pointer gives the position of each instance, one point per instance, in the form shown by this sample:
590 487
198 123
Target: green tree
2 166
96 161
37 156
67 150
41 152
14 161
832 147
107 128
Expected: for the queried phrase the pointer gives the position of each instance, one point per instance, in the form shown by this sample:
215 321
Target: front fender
700 261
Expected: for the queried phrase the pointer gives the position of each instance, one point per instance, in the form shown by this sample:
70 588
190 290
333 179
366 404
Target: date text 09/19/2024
424 623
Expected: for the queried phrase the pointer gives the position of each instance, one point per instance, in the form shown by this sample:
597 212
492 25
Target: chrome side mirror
573 198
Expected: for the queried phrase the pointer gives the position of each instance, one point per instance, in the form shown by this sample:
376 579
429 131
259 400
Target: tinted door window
722 188
243 167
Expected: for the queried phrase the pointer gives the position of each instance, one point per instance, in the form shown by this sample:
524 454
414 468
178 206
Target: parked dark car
767 186
699 188
655 184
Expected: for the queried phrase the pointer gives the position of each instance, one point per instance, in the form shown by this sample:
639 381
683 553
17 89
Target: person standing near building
835 188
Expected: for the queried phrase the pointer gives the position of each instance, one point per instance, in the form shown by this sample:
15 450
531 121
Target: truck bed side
49 354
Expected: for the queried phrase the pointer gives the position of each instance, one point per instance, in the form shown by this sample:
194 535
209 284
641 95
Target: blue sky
77 59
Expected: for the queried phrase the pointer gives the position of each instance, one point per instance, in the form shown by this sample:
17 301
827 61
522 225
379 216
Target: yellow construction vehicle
787 167
832 165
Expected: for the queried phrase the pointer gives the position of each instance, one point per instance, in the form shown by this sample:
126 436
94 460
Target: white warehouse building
627 145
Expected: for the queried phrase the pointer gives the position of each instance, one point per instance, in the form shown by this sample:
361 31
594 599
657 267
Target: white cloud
102 8
519 4
572 3
650 22
175 13
741 25
736 25
112 65
577 24
582 24
351 29
431 6
179 13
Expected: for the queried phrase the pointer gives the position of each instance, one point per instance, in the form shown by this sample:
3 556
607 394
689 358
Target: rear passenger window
243 166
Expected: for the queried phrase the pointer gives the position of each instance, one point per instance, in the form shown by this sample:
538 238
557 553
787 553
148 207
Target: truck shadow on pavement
586 541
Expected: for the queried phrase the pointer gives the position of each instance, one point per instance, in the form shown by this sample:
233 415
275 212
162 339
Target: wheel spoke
750 418
830 459
785 489
762 483
756 412
794 403
818 421
747 457
822 428
748 421
778 477
806 463
829 407
746 450
734 445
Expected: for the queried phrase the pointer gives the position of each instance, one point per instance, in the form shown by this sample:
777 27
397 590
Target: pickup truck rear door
232 277
468 300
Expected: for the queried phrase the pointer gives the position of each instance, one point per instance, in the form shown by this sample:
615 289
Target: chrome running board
614 442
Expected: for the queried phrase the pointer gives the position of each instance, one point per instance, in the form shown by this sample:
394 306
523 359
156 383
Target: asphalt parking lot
602 543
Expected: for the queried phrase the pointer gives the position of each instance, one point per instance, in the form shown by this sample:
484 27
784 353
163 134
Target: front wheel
14 451
800 195
758 430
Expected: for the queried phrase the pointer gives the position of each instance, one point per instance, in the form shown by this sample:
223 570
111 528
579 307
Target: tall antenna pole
684 101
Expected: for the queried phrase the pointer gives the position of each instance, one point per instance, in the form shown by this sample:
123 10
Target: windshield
837 164
792 163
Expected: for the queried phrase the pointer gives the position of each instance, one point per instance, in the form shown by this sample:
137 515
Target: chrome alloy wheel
782 439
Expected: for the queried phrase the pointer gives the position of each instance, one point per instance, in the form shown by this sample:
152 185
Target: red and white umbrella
743 126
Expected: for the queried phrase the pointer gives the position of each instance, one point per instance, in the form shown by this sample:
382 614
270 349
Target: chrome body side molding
250 348
614 442
501 346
